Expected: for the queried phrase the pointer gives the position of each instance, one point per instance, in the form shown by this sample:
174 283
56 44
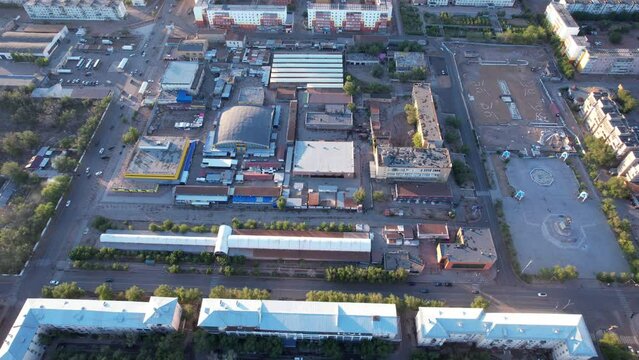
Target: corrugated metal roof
122 315
300 69
378 320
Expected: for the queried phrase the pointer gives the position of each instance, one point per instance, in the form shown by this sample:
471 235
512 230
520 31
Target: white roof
300 316
442 323
316 67
324 157
159 311
225 239
180 72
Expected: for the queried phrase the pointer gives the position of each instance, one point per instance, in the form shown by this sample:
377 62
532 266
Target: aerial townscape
319 180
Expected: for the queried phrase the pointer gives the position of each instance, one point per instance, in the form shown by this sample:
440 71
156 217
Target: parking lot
551 227
503 93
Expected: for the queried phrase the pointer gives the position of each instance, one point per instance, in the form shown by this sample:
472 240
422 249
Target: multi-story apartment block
243 16
350 17
411 164
560 20
629 167
75 9
300 320
589 60
566 335
601 7
87 317
609 61
427 121
604 121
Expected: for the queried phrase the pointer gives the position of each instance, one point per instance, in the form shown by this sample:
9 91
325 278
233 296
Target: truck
64 71
107 42
143 88
127 47
122 64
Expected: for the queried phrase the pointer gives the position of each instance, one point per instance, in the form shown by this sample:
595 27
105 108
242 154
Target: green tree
17 143
615 37
452 121
350 88
102 224
480 302
411 114
65 291
56 188
625 99
378 71
15 172
379 196
104 292
42 62
615 187
281 203
64 164
352 107
461 172
598 153
43 212
164 291
612 348
417 140
134 293
332 349
359 196
131 136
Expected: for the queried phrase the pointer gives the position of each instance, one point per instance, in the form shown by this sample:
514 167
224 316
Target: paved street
602 306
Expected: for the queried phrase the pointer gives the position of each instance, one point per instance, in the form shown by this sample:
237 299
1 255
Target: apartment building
566 335
560 20
99 10
604 121
410 164
427 121
473 250
350 17
300 320
87 317
629 167
589 60
609 61
243 16
601 7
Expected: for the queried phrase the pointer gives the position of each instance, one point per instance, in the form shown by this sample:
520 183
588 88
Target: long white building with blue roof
85 316
565 334
300 320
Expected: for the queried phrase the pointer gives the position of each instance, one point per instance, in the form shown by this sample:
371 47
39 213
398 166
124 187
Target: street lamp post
526 267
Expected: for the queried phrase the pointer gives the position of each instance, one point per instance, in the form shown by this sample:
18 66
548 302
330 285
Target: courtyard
551 226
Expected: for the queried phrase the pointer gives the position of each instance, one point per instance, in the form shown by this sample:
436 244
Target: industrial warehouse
321 70
32 39
252 244
246 127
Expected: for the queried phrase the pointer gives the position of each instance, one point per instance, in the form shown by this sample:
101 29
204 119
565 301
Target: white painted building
560 20
601 6
350 17
138 2
575 47
75 10
609 61
88 317
300 320
629 167
565 334
246 16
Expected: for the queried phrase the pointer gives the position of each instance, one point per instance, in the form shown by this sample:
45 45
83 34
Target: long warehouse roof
227 238
304 69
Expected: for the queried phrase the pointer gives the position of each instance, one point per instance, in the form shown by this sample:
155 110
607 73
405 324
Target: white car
87 170
68 203
54 282
542 294
101 151
98 173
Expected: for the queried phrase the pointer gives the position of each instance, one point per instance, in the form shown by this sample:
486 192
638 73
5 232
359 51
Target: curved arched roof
245 124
